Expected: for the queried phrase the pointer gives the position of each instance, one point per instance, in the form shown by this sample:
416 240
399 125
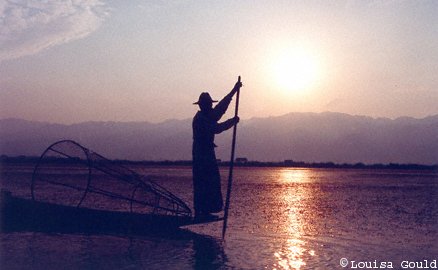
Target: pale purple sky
74 61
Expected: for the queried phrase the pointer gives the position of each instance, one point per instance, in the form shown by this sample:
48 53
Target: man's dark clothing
206 177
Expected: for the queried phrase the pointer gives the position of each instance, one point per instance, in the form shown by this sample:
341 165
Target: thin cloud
30 26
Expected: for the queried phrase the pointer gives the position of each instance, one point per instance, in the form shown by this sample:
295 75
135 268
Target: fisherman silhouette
206 178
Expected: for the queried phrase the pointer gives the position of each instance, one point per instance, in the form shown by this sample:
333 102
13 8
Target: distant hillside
309 137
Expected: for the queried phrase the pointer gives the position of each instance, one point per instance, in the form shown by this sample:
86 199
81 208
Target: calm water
279 219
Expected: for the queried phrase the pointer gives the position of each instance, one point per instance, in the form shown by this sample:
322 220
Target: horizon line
252 163
245 119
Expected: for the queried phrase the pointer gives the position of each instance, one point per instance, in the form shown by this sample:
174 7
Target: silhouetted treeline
287 163
301 164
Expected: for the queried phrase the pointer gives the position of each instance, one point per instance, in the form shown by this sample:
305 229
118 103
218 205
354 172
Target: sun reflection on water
294 251
295 175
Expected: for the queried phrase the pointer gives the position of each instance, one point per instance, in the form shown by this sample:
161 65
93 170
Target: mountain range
309 137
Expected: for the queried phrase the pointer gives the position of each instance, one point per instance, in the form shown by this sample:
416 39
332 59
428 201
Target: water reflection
294 196
35 250
290 175
208 253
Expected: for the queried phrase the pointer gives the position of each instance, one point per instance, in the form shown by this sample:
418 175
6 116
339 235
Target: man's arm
220 109
220 127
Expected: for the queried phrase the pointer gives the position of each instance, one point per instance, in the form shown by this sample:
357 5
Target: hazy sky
82 60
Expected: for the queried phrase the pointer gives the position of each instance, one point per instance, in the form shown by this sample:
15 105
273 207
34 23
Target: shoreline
5 160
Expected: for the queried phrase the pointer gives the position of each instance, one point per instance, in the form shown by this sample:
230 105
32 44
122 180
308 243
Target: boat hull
18 214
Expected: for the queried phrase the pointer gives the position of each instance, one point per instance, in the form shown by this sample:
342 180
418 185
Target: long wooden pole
230 174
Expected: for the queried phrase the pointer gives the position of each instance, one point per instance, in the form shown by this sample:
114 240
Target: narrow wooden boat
21 215
74 189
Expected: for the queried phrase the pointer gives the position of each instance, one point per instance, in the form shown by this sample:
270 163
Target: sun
295 69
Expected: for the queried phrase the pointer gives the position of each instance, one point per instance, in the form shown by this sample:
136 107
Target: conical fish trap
72 175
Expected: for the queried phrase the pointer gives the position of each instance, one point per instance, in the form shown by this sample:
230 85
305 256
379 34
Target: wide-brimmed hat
204 98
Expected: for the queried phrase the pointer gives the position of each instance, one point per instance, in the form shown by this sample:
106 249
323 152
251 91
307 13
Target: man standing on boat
206 178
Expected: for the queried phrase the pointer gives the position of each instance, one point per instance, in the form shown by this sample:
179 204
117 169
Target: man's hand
236 120
238 84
